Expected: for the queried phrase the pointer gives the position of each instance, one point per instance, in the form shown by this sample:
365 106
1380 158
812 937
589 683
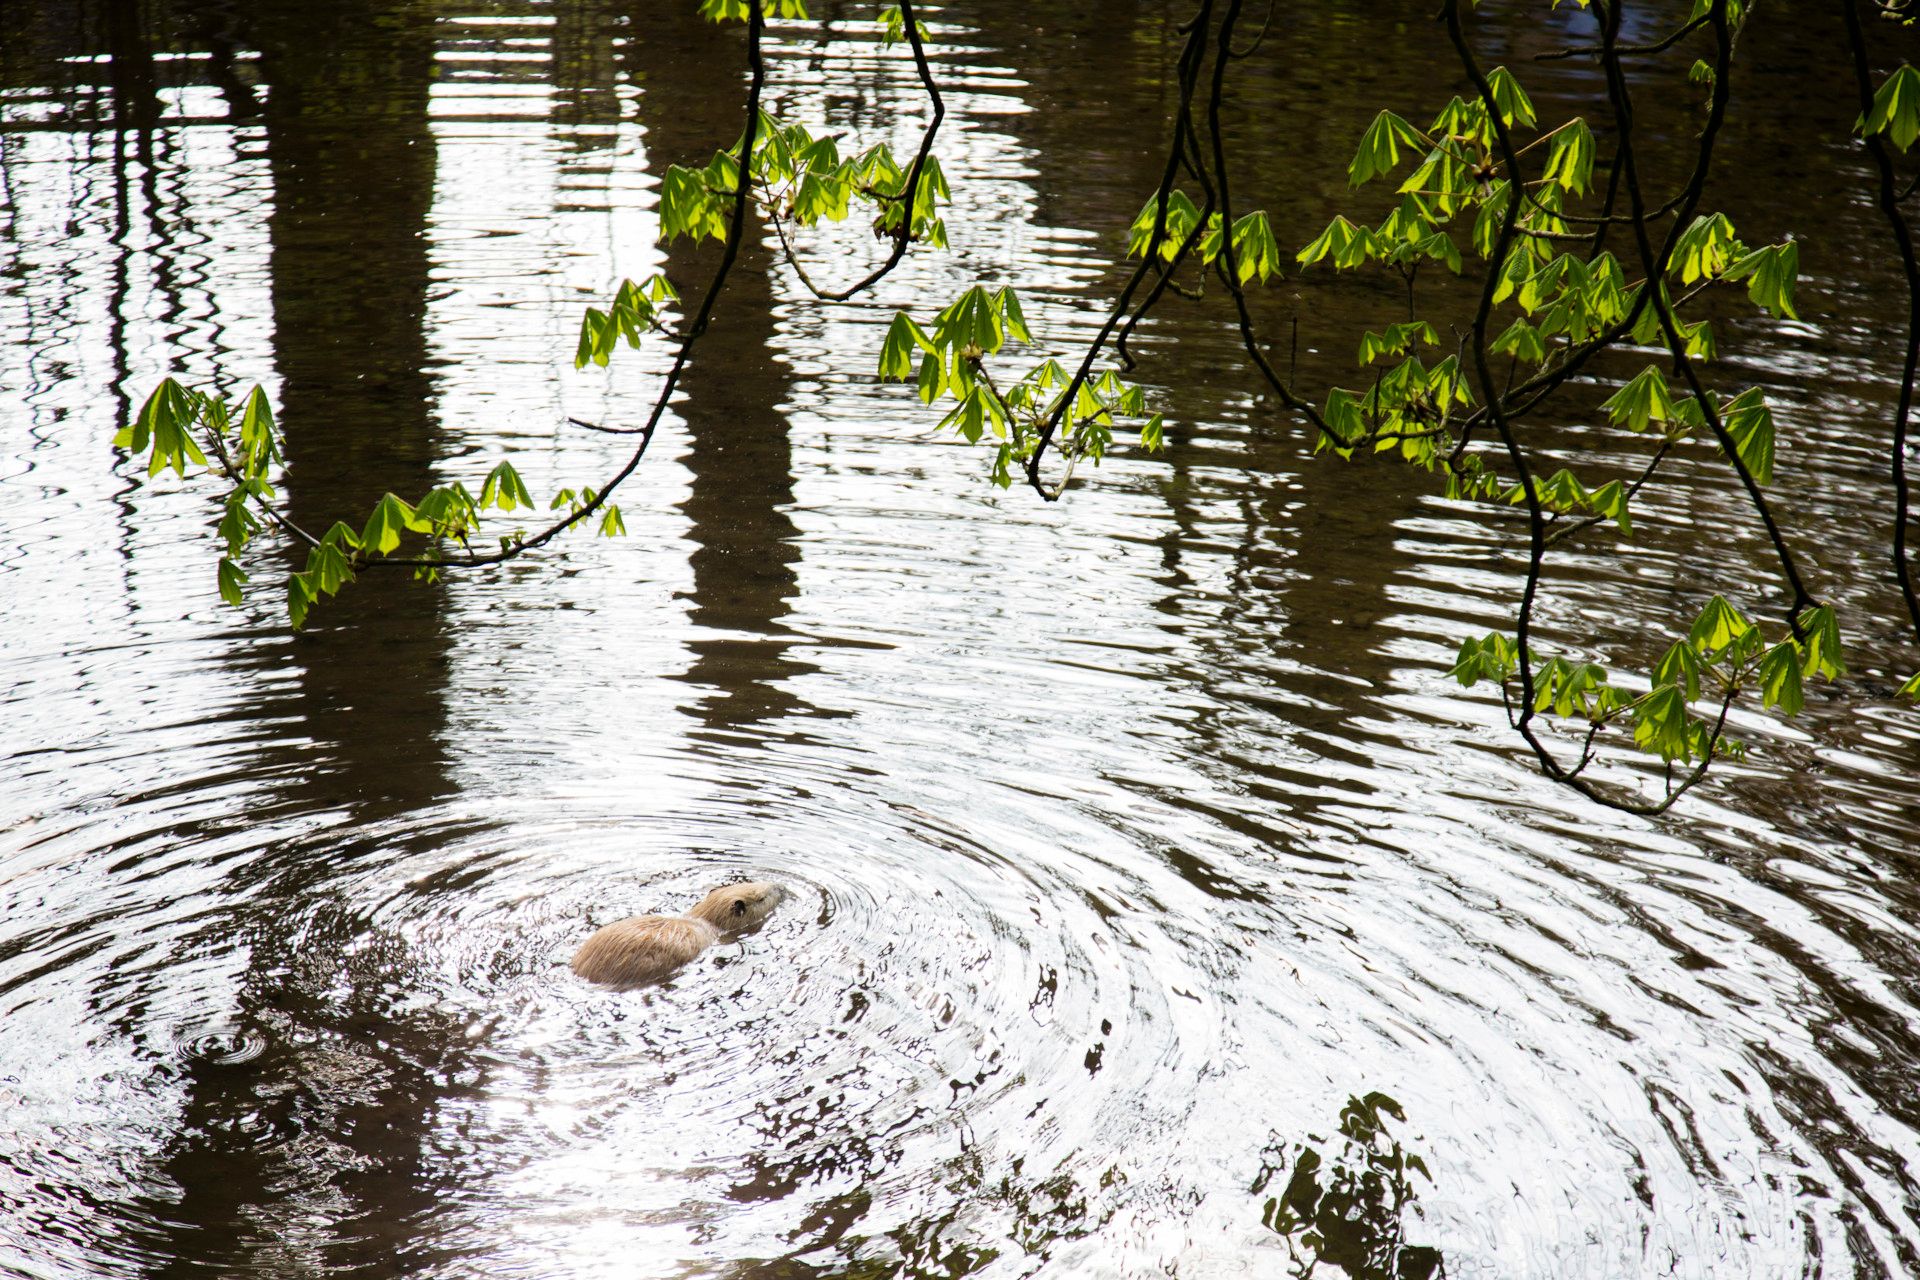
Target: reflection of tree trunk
313 1153
136 107
353 170
586 108
136 99
739 455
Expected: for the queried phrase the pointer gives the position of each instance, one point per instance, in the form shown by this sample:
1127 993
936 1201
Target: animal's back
629 953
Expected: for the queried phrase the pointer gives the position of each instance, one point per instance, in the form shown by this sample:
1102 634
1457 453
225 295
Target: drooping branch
514 548
1491 392
1496 402
1902 230
736 229
1227 264
1620 97
909 195
1192 54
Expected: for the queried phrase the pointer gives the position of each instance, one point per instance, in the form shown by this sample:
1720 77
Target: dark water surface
1147 862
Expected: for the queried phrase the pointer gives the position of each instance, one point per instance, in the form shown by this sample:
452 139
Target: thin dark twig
1536 514
284 521
1903 240
735 229
1587 522
1606 211
1541 385
1259 37
903 234
1227 264
612 431
1658 46
1197 31
1655 267
1491 397
1160 286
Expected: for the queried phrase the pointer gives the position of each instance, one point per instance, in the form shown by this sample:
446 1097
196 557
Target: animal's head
739 906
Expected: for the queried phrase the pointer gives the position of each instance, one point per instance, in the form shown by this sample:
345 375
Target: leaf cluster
799 178
948 360
240 443
1723 655
1182 229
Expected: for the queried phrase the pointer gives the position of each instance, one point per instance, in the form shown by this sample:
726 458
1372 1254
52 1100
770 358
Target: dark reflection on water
739 455
1131 839
1350 1208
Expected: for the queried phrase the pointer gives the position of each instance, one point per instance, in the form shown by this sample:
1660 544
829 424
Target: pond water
1146 862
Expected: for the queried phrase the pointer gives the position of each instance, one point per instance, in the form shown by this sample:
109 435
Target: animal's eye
739 906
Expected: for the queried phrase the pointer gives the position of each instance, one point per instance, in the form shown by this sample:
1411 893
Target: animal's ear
739 906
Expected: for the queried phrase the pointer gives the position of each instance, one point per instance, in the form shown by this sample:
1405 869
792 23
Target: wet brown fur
643 949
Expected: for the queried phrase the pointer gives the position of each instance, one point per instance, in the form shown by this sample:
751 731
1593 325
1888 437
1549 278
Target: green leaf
1718 626
1492 657
590 347
1771 274
894 26
327 569
448 510
503 489
1515 107
933 379
1182 217
1750 422
1610 500
1396 339
259 444
1153 434
687 207
611 525
299 599
1660 724
1008 304
1342 416
1680 668
972 324
239 524
1909 689
165 427
1440 247
231 579
1642 401
1896 108
1522 340
896 352
343 538
391 517
1705 248
1699 338
1256 253
1566 688
1688 417
1570 162
1460 119
1380 147
660 289
1823 642
1562 491
1780 678
1486 223
1346 244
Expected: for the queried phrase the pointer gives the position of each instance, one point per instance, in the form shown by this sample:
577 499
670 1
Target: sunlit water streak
1129 837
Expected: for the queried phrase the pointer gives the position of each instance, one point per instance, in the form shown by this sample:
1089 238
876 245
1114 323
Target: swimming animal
643 949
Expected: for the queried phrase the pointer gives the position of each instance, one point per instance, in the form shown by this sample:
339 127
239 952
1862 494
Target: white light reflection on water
1131 837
